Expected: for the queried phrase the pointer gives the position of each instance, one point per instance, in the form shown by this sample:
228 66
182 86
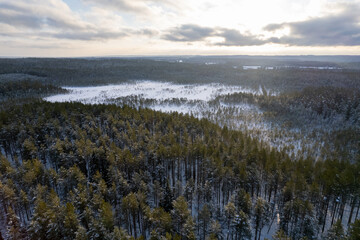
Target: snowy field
161 96
148 90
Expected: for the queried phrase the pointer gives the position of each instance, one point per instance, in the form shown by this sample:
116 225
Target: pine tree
39 223
71 223
157 192
182 219
230 213
160 221
216 230
204 218
354 230
261 216
55 214
119 234
280 235
106 216
243 202
167 201
130 207
242 226
80 234
14 229
336 232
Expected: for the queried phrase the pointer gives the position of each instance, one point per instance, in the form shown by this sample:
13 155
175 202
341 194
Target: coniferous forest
105 171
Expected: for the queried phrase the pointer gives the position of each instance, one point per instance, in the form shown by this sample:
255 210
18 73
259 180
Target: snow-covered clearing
147 90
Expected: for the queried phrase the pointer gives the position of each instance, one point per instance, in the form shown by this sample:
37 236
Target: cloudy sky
68 28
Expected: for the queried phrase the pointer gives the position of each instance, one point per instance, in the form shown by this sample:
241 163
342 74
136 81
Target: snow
147 89
321 68
251 67
172 108
311 67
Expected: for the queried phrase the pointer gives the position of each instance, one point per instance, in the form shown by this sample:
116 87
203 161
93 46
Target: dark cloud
144 32
21 21
188 33
342 29
23 17
60 23
274 26
193 33
17 16
236 38
103 34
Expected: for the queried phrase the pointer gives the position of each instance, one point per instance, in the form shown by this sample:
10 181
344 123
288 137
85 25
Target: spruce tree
167 201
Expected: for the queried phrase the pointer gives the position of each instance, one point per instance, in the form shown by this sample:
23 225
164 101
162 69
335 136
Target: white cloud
157 26
54 19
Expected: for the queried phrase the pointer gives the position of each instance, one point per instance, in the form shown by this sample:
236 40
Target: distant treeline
84 72
27 88
18 92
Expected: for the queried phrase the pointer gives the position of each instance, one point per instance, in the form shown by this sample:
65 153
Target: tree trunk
334 212
256 232
352 210
326 209
134 223
357 211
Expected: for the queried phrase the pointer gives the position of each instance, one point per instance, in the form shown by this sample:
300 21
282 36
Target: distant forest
86 72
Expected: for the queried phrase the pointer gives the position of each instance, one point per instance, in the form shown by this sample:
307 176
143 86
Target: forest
286 75
107 172
124 171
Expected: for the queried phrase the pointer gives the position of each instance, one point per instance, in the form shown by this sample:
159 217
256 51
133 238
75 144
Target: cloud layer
194 33
56 20
179 25
341 29
338 29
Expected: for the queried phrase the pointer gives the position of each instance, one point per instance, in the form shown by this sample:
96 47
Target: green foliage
26 89
167 201
336 232
182 219
242 226
14 230
73 171
280 235
354 231
100 71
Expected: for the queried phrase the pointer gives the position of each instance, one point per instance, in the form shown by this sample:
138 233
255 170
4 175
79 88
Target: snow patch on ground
147 89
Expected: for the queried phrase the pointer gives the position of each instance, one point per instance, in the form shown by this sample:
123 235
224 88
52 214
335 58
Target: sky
79 28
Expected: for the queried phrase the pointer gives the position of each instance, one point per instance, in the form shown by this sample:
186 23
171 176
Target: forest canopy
70 171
